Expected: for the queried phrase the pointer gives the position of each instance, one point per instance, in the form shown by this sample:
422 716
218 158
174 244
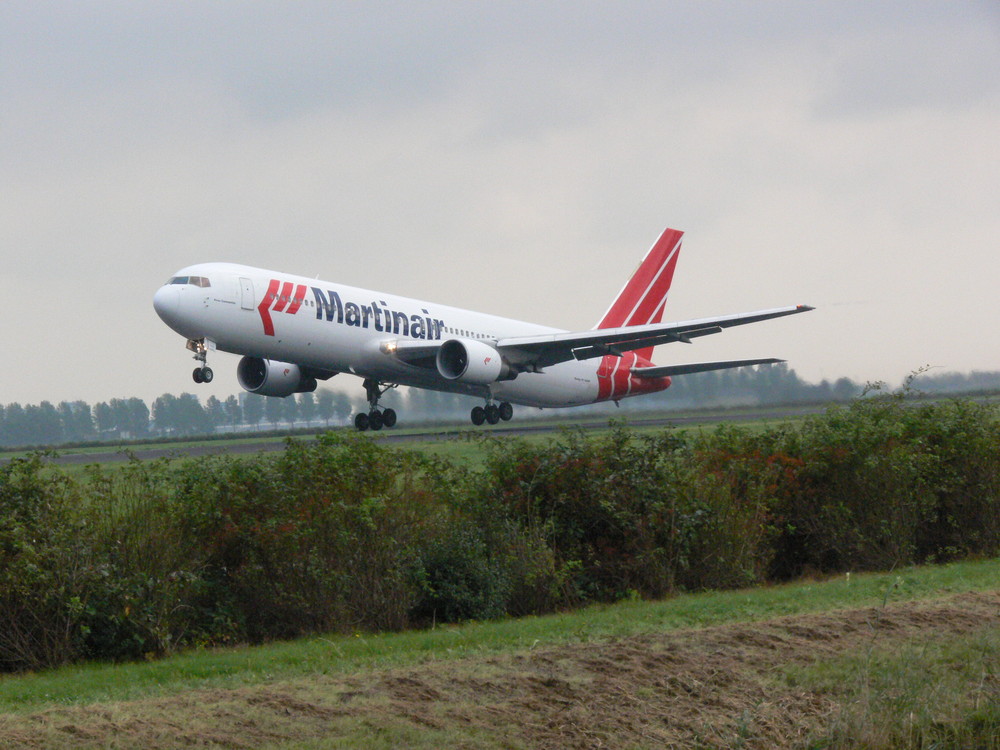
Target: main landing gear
375 419
204 373
492 413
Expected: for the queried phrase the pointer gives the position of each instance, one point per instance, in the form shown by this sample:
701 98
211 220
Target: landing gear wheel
478 415
377 419
361 422
506 411
492 414
200 347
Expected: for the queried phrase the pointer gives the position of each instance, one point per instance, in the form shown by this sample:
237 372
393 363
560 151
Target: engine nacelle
266 377
473 362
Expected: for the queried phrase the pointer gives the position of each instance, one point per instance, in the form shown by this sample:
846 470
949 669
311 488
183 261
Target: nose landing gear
200 348
375 419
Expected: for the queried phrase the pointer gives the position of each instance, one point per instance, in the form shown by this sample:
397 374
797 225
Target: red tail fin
642 299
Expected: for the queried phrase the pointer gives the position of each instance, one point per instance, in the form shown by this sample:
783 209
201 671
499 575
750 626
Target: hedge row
340 534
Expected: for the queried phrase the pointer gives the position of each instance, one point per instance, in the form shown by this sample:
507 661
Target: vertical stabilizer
644 296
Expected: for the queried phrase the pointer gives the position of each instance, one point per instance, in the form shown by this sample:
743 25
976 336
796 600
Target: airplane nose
166 302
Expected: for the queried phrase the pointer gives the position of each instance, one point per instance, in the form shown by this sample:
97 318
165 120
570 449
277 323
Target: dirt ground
713 687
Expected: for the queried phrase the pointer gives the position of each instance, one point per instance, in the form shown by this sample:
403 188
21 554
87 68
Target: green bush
726 522
341 534
884 482
459 579
45 568
613 511
320 537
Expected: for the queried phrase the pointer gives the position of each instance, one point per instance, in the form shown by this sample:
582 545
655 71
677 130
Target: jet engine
473 362
267 377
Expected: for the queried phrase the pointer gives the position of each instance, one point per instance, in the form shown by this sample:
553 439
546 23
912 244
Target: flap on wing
659 372
625 344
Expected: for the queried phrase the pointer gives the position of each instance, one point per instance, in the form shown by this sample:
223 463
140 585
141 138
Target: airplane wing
536 352
532 353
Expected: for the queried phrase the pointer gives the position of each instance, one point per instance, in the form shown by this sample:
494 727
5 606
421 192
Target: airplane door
247 293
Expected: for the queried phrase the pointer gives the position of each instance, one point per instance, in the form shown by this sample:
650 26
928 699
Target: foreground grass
340 654
931 694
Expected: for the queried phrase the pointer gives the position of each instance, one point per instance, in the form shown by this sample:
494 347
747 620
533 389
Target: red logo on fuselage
288 299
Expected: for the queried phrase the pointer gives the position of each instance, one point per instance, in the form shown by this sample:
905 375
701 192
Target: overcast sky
517 158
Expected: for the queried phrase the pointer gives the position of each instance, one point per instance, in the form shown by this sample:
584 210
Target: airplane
293 331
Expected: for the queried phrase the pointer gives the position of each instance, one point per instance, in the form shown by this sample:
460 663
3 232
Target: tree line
186 414
169 414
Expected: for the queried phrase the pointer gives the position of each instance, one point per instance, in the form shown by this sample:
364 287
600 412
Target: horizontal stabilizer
659 372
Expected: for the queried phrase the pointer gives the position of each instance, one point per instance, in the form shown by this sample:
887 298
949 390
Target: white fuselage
332 327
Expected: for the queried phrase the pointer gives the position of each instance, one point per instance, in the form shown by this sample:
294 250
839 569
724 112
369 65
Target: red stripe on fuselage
284 297
604 369
298 299
615 380
264 307
623 375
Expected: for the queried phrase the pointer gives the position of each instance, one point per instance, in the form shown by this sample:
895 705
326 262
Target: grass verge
932 693
340 654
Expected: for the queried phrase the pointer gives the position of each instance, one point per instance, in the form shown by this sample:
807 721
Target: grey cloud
516 158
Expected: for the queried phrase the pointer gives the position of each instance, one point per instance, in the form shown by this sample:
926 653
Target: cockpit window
193 280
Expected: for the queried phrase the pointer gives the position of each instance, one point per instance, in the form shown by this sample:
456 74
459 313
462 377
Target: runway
126 453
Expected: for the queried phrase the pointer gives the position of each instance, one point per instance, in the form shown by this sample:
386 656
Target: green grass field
715 669
90 683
